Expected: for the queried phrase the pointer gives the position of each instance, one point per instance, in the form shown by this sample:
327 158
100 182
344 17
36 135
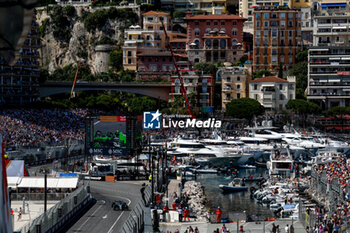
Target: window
282 33
215 23
196 32
256 97
306 15
150 19
129 61
238 87
266 42
223 54
238 95
147 37
196 23
257 23
257 34
274 24
222 22
283 24
130 37
283 15
265 61
274 33
129 54
290 33
249 12
250 19
257 15
266 23
281 87
255 87
208 23
266 34
238 78
234 32
164 59
266 15
281 96
234 22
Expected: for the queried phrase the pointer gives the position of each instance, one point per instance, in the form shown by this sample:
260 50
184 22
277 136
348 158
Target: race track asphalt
101 218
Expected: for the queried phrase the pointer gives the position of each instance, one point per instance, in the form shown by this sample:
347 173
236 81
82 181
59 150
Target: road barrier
60 214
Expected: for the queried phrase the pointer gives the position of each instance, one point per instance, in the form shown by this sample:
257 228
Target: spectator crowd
336 171
29 127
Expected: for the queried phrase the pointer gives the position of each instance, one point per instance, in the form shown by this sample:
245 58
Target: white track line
111 229
89 218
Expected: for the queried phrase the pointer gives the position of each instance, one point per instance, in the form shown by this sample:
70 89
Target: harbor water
233 202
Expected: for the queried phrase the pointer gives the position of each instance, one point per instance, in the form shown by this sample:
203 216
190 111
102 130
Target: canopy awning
13 181
339 27
38 182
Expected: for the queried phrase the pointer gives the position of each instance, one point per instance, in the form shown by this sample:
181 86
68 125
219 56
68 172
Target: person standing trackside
186 214
286 229
218 215
19 213
180 214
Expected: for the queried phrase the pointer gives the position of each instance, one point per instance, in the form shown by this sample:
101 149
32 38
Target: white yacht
188 149
281 163
305 142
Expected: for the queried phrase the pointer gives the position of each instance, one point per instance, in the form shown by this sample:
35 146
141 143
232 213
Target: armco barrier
60 214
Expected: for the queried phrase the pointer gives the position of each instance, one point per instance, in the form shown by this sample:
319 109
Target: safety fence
135 222
60 214
329 193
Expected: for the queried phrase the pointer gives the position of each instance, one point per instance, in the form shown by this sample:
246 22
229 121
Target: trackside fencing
60 214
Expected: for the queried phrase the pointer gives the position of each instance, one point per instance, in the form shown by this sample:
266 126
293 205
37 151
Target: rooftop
226 16
269 79
155 13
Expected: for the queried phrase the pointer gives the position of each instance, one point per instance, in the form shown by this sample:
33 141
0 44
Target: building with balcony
19 84
214 38
329 59
272 92
146 50
277 38
234 84
197 86
215 7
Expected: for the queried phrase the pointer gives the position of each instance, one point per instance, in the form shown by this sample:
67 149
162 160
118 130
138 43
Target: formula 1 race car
119 205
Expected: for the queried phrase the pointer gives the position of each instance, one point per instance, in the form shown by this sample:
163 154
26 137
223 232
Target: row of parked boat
254 148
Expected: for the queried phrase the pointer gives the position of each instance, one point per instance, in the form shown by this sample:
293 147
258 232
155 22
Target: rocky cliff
70 34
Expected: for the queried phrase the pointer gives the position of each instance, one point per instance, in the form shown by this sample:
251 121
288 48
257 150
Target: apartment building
19 84
199 86
329 57
272 92
214 38
146 50
234 84
277 38
215 7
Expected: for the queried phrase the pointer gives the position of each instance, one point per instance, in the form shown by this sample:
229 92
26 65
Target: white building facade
273 92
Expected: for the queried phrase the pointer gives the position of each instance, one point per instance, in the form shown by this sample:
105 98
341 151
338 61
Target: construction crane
183 91
75 78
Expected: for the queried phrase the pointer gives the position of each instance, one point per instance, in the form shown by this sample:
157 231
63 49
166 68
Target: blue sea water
233 202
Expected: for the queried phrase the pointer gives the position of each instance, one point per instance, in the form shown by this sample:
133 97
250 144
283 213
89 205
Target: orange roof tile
155 13
269 79
215 17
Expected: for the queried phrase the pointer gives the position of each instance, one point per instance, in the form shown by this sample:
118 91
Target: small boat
253 179
247 166
237 185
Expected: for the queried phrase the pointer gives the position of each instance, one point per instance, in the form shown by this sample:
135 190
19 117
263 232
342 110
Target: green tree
69 10
127 75
179 14
261 73
280 71
137 105
299 70
244 108
303 108
116 59
206 68
301 56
